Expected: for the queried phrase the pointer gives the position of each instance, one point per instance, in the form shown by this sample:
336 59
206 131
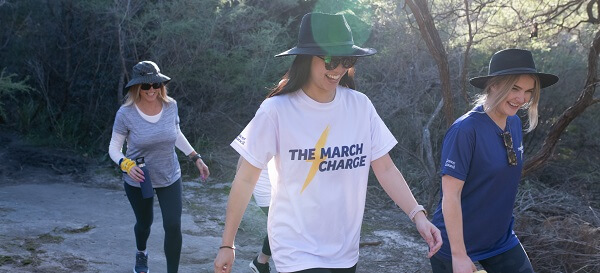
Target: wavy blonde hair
133 95
504 84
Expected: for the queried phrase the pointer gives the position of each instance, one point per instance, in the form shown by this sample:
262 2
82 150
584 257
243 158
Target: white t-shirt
322 154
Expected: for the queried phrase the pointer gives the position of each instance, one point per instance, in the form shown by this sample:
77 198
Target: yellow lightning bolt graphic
315 162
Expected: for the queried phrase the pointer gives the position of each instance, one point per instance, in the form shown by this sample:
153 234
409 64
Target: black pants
329 270
266 248
513 261
170 202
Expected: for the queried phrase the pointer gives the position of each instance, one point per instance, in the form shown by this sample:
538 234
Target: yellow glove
126 164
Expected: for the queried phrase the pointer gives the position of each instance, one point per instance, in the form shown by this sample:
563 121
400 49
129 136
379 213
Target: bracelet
230 247
195 157
416 210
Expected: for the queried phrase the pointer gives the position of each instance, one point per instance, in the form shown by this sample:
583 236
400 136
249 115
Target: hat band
326 44
513 70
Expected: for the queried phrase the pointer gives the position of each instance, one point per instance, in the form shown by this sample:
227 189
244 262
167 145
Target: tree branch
432 39
586 99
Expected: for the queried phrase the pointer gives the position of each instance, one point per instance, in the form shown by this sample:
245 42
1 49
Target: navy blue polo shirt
473 151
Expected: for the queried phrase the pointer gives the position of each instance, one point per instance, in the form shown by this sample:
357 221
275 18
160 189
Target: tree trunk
436 48
586 98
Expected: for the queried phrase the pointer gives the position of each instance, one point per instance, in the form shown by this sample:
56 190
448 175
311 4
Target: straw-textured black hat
146 72
324 34
510 62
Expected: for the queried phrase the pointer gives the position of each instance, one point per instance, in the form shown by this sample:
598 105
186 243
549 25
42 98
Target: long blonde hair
133 95
504 84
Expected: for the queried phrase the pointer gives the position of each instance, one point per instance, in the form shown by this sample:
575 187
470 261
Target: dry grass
558 230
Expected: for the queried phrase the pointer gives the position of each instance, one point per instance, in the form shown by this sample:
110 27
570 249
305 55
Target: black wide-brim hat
513 61
324 34
146 72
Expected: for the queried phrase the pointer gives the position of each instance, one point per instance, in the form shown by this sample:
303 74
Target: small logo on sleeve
241 139
450 164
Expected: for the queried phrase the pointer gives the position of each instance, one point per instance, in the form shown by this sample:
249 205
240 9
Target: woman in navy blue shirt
481 164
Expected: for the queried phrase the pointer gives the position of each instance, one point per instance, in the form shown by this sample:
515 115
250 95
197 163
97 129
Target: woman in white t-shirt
322 137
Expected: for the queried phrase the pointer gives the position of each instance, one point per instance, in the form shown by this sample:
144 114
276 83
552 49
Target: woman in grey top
149 122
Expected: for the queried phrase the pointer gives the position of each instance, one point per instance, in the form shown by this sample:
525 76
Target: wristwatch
195 157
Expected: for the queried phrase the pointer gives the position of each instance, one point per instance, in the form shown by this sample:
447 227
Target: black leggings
329 270
266 248
170 202
514 261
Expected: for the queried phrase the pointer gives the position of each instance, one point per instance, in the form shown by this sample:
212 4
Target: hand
462 264
224 260
429 232
136 174
204 172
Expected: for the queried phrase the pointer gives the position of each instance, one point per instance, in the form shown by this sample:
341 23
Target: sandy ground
61 213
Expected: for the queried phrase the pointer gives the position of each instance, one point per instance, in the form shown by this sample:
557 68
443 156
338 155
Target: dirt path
62 213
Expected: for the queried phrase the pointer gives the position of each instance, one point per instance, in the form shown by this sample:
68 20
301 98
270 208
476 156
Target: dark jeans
266 248
513 261
170 202
329 270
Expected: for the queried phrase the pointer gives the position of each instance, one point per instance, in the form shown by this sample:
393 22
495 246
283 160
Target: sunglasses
146 86
508 143
332 62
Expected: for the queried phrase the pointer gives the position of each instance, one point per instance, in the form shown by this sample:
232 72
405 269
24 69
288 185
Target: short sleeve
257 143
119 126
382 140
457 151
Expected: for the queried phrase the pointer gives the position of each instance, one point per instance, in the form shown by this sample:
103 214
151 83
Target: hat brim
546 80
154 78
350 51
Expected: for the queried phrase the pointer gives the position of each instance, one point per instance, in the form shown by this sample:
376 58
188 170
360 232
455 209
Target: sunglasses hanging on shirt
510 151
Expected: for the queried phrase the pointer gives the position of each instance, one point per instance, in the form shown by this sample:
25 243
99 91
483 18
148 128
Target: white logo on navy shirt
450 164
521 150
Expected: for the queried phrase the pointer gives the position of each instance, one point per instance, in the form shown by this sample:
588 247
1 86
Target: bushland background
64 63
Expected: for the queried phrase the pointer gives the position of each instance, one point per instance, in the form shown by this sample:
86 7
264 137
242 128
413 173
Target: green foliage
219 54
10 89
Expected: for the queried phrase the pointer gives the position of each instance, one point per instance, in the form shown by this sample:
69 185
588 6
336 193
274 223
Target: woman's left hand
429 232
204 172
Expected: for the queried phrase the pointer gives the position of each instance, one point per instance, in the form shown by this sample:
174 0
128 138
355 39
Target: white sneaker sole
253 267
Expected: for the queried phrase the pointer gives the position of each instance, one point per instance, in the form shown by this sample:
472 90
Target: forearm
184 145
114 148
394 183
239 197
452 212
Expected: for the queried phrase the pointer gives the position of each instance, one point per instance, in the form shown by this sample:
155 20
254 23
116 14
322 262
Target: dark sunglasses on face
146 86
508 143
332 63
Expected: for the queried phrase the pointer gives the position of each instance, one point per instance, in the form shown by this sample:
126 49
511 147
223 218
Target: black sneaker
141 263
258 267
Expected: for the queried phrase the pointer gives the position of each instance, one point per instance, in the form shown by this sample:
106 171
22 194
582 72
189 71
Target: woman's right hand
462 264
224 260
136 174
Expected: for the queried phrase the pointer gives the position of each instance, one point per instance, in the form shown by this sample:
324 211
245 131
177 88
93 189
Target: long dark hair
298 75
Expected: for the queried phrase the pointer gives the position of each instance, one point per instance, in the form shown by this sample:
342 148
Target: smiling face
507 94
519 95
149 95
322 82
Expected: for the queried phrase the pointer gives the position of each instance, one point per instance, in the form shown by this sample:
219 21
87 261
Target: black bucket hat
324 34
513 61
146 72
